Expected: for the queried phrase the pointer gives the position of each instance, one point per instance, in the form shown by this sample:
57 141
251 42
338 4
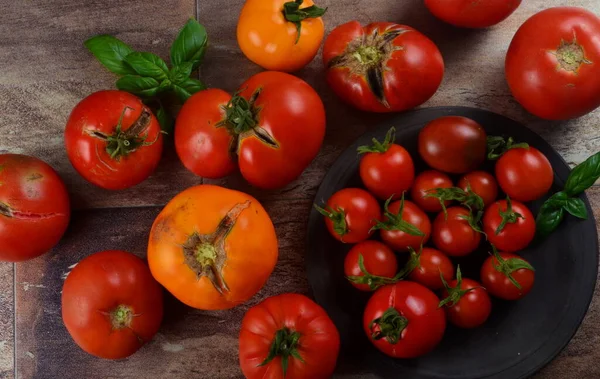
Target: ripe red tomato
403 320
369 265
481 183
453 144
553 63
428 265
113 140
288 336
425 182
524 174
275 126
111 304
453 234
386 169
350 214
507 276
467 303
472 14
383 67
405 226
509 225
34 207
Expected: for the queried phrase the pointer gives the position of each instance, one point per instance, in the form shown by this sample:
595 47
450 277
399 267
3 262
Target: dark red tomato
429 264
425 182
386 169
369 264
509 225
350 214
453 144
113 140
553 63
467 303
524 174
405 226
507 276
452 233
383 67
482 184
470 13
34 207
403 320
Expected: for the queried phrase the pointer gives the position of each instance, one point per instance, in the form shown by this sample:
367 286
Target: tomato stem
570 56
395 221
391 324
285 345
497 146
373 281
508 266
454 293
121 317
377 146
294 14
337 217
508 216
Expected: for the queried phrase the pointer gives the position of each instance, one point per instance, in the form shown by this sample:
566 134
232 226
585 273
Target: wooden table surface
46 71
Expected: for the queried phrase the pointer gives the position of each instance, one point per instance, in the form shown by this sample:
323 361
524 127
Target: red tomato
403 320
481 183
275 126
113 140
369 265
524 174
429 264
507 276
34 207
472 14
111 304
386 169
425 182
452 233
288 336
405 226
453 144
350 214
383 67
467 303
553 63
509 225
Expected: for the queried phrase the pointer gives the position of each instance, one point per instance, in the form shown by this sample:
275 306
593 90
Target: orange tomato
212 247
280 35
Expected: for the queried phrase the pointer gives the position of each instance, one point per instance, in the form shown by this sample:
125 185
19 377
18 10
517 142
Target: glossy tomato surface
431 265
452 233
519 228
474 306
524 174
425 183
472 14
498 282
397 234
378 260
482 183
388 174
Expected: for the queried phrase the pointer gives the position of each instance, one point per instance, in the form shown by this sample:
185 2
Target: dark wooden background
45 71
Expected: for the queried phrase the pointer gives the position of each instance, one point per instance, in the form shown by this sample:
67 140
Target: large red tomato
509 225
113 140
34 207
275 126
524 174
111 305
553 63
405 226
383 67
288 336
472 13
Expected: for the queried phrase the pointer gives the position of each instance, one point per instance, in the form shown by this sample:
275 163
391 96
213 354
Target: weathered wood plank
7 313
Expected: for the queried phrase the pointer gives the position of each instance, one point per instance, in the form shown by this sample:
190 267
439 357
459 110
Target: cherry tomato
509 225
524 174
467 303
429 264
403 320
369 265
383 67
113 140
350 214
472 14
453 144
452 233
481 183
425 182
405 226
553 63
507 276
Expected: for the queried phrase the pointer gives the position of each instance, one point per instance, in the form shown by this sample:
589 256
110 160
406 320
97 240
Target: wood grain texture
7 313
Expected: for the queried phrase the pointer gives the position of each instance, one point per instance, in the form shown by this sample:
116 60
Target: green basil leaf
138 85
192 85
190 45
548 220
576 207
181 73
147 64
111 52
583 175
165 120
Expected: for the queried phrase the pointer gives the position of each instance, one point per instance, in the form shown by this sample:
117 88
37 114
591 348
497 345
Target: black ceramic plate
520 337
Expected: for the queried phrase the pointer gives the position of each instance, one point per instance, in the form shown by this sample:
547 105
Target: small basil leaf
190 45
180 73
192 85
583 176
547 221
138 85
111 52
147 64
576 207
165 120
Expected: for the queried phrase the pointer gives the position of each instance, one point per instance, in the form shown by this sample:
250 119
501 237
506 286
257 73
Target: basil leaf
180 73
187 88
548 220
576 207
583 175
190 45
138 85
111 52
164 119
147 64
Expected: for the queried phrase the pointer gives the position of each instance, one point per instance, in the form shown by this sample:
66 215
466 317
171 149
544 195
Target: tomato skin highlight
524 174
426 181
473 309
379 260
389 173
401 241
453 235
514 236
469 14
482 183
432 263
499 285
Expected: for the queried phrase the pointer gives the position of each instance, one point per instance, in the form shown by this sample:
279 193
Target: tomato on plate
382 67
212 247
429 266
113 140
405 226
34 207
509 225
273 129
111 304
453 232
553 63
472 14
386 169
507 275
280 35
422 190
481 183
403 320
524 174
288 336
453 144
369 265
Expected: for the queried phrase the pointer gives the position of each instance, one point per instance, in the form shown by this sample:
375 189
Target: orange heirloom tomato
280 35
212 247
